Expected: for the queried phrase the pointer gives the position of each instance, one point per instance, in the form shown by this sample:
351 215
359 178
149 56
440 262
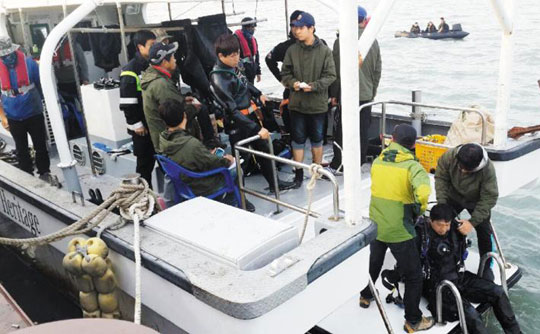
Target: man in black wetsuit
238 97
277 54
443 250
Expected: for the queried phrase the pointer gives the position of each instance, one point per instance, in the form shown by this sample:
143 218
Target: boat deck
12 317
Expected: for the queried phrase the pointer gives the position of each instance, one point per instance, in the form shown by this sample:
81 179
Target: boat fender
113 315
108 302
94 265
84 283
75 244
89 301
95 314
106 283
97 246
72 263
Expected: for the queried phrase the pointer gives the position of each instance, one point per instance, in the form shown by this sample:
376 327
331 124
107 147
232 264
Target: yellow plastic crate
429 149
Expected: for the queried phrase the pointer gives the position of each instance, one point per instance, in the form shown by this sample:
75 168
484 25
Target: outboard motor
456 27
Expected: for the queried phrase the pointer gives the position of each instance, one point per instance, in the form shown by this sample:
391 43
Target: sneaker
336 172
249 206
283 185
422 325
365 302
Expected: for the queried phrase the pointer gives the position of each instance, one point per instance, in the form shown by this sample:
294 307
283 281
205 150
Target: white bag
467 128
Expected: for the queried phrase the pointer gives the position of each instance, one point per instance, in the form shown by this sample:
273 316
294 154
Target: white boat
218 269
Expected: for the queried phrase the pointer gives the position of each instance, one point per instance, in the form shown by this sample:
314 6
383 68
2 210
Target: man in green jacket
369 76
187 151
465 178
308 70
157 86
400 190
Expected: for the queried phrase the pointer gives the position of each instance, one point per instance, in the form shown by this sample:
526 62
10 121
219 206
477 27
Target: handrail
382 311
239 147
502 271
459 304
424 105
499 248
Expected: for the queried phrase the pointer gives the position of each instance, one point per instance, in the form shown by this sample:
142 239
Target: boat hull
433 35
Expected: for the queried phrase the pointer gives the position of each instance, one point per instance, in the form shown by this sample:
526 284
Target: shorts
305 126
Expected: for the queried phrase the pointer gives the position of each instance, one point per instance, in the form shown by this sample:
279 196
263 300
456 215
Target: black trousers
365 122
236 135
483 233
35 127
143 149
408 262
207 130
477 290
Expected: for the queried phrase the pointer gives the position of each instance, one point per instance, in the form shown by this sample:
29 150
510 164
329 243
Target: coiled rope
314 171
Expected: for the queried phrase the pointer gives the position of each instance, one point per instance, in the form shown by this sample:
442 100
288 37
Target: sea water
454 72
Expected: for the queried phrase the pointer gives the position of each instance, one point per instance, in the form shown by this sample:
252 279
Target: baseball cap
304 19
362 13
159 51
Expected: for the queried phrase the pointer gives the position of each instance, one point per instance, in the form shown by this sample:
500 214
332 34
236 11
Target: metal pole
79 95
240 176
26 42
499 248
274 173
504 11
459 303
383 125
48 85
348 48
375 294
223 6
417 113
122 32
169 9
287 18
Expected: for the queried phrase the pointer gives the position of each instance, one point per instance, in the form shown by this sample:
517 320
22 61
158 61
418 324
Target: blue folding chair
183 191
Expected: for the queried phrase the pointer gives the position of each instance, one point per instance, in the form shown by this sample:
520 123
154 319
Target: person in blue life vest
22 109
249 49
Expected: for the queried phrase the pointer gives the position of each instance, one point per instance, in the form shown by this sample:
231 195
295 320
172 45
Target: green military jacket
476 190
314 65
369 74
400 190
156 89
190 153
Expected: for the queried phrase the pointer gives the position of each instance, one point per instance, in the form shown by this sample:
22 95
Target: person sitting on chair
187 151
443 250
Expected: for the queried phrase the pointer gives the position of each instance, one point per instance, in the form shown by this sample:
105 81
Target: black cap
159 51
404 135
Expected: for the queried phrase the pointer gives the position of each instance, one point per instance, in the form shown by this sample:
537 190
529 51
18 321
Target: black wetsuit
442 258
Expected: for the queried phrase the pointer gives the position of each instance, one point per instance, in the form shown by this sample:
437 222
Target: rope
313 170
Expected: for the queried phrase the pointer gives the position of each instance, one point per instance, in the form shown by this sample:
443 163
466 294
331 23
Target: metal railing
239 147
423 105
499 248
459 304
502 271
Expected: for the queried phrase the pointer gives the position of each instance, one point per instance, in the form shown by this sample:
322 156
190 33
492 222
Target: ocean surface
460 73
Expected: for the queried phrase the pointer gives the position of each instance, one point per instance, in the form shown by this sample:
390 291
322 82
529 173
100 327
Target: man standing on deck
249 49
369 76
308 70
465 179
400 190
22 109
277 54
131 104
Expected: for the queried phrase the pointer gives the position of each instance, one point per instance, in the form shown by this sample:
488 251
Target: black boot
298 178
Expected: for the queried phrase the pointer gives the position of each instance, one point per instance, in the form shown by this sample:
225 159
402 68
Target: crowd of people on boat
430 28
163 120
